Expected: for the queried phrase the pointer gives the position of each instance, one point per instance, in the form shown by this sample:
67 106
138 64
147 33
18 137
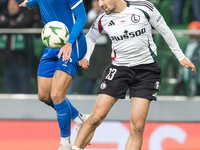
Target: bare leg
60 84
44 89
54 88
103 105
139 111
44 95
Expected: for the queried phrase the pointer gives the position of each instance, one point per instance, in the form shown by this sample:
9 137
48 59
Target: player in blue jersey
58 67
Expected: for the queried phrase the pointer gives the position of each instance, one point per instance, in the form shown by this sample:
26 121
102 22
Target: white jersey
131 34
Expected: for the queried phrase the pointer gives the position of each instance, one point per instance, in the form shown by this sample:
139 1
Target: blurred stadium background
173 122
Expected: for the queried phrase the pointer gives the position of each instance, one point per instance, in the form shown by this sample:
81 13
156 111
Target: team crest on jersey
135 18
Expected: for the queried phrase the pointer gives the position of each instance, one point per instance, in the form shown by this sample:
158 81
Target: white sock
75 148
79 119
65 140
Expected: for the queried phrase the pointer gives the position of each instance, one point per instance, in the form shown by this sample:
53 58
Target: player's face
108 6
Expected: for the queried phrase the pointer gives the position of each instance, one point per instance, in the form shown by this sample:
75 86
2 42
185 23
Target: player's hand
188 64
23 4
65 52
84 63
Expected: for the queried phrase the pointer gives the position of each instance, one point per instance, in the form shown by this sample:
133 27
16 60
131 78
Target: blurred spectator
196 9
37 19
178 8
92 14
189 82
15 49
3 6
87 4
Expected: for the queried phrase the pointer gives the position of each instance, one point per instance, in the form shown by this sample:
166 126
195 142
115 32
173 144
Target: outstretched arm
158 22
169 37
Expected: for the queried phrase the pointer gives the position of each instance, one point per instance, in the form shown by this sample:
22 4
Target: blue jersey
72 14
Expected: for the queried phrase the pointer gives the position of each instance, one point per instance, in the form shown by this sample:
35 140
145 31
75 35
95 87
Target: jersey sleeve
170 39
92 35
32 3
155 17
96 28
81 19
74 3
158 22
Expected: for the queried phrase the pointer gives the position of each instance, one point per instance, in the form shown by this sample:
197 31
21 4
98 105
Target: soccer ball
55 34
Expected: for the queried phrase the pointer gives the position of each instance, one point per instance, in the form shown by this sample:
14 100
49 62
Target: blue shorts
49 63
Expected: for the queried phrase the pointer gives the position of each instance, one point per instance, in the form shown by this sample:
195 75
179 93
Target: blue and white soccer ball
55 34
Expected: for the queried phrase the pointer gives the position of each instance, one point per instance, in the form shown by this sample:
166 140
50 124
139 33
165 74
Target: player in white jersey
134 66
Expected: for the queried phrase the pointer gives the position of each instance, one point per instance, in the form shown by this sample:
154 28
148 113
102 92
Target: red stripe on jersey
99 25
113 58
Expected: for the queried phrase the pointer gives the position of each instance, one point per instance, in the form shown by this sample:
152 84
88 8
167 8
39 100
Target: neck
121 5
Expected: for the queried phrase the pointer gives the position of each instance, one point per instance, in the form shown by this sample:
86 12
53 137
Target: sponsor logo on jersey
111 23
128 35
135 18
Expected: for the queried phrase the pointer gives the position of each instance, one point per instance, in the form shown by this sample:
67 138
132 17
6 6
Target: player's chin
107 12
